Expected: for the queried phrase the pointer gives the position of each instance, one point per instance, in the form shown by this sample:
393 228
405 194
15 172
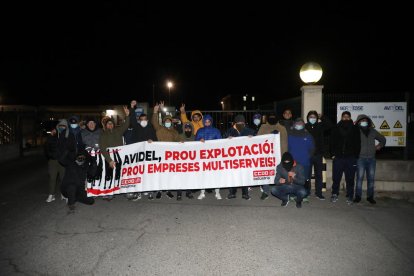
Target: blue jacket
208 133
301 146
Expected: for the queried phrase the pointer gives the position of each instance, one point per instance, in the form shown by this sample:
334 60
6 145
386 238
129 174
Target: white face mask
73 125
312 120
167 125
298 127
144 123
256 122
364 124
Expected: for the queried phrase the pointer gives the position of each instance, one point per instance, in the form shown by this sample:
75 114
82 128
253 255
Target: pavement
193 237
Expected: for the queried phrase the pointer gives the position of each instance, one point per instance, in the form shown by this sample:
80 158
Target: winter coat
208 133
368 136
268 129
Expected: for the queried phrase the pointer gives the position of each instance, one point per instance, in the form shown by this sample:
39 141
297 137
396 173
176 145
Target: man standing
366 161
345 149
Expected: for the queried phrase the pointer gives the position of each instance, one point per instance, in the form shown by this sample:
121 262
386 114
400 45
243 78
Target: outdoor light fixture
169 85
310 72
110 112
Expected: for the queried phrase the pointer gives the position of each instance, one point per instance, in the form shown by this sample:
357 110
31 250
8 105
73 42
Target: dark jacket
281 172
139 133
368 136
318 132
232 132
345 140
301 146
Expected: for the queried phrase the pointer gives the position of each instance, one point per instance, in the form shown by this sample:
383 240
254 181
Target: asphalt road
192 237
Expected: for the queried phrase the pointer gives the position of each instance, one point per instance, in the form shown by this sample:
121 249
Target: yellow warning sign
397 124
401 141
385 133
373 124
397 133
384 125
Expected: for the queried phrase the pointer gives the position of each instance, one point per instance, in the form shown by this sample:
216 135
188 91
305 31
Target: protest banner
157 166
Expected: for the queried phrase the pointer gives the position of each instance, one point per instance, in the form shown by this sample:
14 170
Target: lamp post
310 73
169 85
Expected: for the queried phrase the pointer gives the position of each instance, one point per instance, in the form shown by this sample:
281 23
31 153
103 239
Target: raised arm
154 119
183 114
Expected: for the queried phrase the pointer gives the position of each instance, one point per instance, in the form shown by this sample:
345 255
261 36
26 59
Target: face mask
187 134
312 120
271 120
144 123
73 125
287 165
256 122
80 161
298 127
61 129
364 124
167 125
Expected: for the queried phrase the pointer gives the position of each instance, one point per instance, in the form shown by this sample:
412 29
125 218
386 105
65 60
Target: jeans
308 175
345 165
365 165
282 192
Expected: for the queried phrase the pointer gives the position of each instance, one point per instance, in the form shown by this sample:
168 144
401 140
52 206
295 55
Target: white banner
390 119
240 161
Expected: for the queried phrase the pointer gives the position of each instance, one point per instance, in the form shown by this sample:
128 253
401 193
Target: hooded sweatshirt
196 125
163 133
208 132
184 136
268 129
112 138
368 136
90 138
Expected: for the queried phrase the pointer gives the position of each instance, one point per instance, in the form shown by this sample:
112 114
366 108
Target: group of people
352 149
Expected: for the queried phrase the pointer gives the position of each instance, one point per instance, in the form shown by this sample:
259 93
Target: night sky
62 53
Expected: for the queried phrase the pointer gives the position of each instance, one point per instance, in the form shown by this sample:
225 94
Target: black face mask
271 120
187 134
287 161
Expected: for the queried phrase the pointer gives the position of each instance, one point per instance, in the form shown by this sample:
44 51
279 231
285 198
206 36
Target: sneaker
130 196
246 197
137 196
249 188
261 189
334 198
285 203
179 197
190 195
50 198
299 204
306 199
201 196
231 196
264 196
150 196
218 196
71 207
159 195
292 198
371 200
357 199
320 197
349 201
170 195
62 197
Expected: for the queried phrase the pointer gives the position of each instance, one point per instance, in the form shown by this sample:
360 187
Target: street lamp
310 72
169 85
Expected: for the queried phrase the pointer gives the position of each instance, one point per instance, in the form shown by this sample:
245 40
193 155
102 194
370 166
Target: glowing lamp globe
310 72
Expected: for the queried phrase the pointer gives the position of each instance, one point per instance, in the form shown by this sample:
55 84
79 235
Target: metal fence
223 120
8 127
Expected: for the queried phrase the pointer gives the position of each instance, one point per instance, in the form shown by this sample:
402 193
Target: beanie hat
239 119
299 120
257 116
